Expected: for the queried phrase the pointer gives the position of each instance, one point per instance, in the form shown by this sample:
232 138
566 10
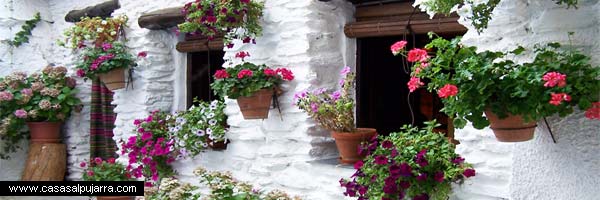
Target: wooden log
391 28
200 45
392 9
161 19
103 10
45 162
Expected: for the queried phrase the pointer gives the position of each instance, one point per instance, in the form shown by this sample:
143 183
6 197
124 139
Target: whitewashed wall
294 154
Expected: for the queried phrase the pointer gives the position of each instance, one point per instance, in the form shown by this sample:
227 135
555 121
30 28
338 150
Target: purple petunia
387 144
381 160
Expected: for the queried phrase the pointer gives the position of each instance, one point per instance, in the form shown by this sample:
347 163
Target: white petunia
182 143
209 131
104 22
204 145
212 122
210 115
212 107
200 133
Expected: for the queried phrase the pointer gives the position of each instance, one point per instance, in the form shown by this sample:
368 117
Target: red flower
286 74
244 73
414 84
82 164
397 47
80 73
359 164
90 173
245 1
98 160
242 55
247 40
221 74
269 72
111 160
387 144
211 19
557 98
415 55
469 172
447 91
381 160
439 176
230 45
554 79
594 111
142 54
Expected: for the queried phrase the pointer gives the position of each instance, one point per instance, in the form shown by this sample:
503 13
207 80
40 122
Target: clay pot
44 132
256 106
512 128
114 79
222 145
114 198
348 143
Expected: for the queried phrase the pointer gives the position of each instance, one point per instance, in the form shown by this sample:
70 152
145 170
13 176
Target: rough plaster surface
293 153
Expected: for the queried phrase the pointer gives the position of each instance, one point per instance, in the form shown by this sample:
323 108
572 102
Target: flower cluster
247 78
332 110
199 127
222 185
151 150
105 170
470 82
172 189
93 30
96 60
232 18
414 163
46 96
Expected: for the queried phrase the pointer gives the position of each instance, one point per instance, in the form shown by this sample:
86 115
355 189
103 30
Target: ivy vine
23 36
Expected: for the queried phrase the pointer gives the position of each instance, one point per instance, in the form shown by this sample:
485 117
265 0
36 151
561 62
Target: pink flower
381 160
220 74
148 184
106 46
269 72
90 173
314 107
246 40
111 160
398 47
98 160
242 55
137 122
149 118
80 73
146 136
415 55
557 98
230 45
439 176
142 54
245 1
594 111
469 172
554 79
82 164
21 114
286 74
345 71
414 84
448 90
420 68
27 92
211 19
244 73
94 66
6 96
358 164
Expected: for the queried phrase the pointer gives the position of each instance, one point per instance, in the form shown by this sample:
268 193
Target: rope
406 65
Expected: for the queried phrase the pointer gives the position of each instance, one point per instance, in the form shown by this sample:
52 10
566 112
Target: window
200 74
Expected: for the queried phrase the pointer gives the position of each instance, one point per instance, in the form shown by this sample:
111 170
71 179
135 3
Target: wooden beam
391 28
385 10
161 19
200 45
103 10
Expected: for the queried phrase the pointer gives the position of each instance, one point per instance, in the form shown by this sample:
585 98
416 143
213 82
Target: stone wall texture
288 150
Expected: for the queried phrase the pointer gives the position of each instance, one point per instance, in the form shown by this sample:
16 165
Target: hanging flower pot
256 106
44 132
348 143
114 198
114 79
510 129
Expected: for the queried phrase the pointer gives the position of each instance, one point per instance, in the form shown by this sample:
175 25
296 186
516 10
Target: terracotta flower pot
114 197
348 143
256 106
44 132
114 79
511 129
222 145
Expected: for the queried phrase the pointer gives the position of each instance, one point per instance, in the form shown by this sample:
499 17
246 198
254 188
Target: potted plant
151 150
512 95
106 170
252 85
335 112
416 163
200 127
232 19
12 123
93 31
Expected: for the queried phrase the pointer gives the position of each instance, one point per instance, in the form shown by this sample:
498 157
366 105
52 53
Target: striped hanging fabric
102 122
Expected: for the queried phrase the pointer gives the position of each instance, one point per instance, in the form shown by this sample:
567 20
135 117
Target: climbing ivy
23 35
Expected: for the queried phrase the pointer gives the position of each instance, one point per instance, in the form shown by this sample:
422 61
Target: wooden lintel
200 45
161 19
391 28
103 10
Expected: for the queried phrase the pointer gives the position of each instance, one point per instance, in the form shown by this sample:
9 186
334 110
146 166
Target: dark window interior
382 94
199 76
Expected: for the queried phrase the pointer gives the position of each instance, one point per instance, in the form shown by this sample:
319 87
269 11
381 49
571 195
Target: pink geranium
416 54
414 84
448 90
398 47
244 73
557 98
554 79
242 55
220 74
269 72
286 74
594 111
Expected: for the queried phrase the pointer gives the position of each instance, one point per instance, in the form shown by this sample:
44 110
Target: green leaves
23 36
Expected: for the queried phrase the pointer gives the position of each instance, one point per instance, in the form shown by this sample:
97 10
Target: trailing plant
23 36
247 78
151 150
94 31
469 82
46 96
234 19
98 60
224 187
105 170
480 12
332 110
199 127
414 163
172 189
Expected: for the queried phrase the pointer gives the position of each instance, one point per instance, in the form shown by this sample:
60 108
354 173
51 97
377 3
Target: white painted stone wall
293 153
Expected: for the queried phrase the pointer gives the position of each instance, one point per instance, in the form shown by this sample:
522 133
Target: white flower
185 136
181 143
200 133
171 148
191 108
210 115
180 120
104 22
212 122
99 30
204 145
179 157
212 107
113 33
209 131
214 102
203 110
